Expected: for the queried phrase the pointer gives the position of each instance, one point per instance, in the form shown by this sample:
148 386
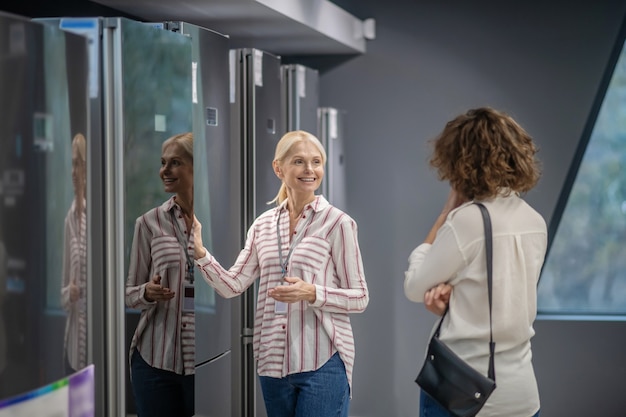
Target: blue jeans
431 408
324 392
160 393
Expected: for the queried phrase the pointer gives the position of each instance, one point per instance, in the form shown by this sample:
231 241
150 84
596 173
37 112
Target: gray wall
540 61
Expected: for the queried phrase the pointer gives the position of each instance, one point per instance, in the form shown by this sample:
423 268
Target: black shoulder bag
448 379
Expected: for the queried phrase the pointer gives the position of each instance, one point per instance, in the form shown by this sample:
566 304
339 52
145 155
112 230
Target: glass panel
205 294
156 76
52 136
157 105
585 271
43 105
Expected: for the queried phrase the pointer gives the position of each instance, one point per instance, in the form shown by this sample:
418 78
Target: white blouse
457 256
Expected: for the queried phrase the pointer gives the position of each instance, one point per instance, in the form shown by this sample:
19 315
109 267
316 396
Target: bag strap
489 251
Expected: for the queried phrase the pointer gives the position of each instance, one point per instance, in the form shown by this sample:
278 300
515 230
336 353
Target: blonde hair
79 162
80 144
283 148
79 172
184 140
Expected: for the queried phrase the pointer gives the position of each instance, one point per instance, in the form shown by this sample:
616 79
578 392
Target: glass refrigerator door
147 89
217 204
44 308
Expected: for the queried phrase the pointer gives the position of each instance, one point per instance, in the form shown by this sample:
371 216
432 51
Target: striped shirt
164 334
327 255
75 274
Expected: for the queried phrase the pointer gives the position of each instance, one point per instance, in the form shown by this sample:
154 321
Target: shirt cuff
320 297
142 295
206 259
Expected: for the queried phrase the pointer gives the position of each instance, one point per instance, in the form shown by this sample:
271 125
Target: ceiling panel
282 27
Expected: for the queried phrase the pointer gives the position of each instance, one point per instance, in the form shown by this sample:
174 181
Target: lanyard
283 265
179 233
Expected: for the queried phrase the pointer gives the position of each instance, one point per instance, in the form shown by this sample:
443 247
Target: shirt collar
319 204
169 205
506 192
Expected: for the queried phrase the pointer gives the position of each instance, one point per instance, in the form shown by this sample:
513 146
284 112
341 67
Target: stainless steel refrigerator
302 111
140 88
43 102
301 98
217 201
257 124
332 136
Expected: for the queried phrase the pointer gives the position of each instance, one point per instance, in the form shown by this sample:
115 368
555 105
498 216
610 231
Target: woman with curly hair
486 157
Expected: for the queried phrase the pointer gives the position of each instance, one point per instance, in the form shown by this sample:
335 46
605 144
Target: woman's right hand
437 298
199 249
156 292
74 292
455 199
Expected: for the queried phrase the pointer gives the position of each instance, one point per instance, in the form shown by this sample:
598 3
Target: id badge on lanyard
188 298
280 307
189 292
188 288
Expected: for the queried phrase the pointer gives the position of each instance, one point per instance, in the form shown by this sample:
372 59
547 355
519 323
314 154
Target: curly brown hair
483 152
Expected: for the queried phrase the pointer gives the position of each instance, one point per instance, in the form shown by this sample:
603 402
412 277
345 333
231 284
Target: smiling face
301 170
176 170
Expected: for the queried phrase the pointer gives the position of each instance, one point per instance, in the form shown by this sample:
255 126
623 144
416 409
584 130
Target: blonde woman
160 278
74 288
306 255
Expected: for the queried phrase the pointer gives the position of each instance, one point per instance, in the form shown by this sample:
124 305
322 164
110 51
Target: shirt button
283 326
294 232
184 325
303 216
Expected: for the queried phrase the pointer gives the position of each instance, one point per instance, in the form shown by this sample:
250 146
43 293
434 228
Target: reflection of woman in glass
74 289
160 284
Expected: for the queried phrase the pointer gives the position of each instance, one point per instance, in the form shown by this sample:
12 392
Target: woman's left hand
199 249
437 298
296 290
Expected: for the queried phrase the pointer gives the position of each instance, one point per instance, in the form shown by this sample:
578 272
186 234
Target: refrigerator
332 136
140 90
257 120
217 201
43 102
300 98
303 112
